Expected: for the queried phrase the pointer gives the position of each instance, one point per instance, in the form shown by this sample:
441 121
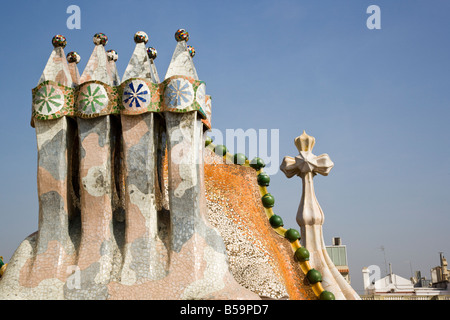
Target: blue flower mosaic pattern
136 95
48 100
92 99
179 94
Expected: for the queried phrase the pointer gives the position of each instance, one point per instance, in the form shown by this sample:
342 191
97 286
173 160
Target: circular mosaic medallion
136 95
179 94
48 100
92 99
200 95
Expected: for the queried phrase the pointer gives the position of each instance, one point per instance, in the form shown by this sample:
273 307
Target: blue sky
377 101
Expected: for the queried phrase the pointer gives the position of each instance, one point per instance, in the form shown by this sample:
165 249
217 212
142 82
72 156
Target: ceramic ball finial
59 41
73 57
100 38
191 50
152 53
112 55
140 36
181 35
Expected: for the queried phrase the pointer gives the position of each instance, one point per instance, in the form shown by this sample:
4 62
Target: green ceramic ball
326 295
292 235
276 221
220 150
268 200
263 179
208 141
314 276
239 158
302 254
257 163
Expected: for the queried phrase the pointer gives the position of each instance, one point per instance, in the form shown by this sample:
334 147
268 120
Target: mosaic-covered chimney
109 228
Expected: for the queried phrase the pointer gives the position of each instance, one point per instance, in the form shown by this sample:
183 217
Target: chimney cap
337 241
100 38
152 53
191 50
73 56
59 41
182 35
112 55
140 36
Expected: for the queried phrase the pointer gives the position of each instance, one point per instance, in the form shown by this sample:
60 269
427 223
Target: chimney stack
337 241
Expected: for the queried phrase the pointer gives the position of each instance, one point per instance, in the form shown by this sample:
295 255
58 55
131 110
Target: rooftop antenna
410 267
385 263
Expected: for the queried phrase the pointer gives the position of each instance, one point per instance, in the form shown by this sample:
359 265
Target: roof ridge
292 235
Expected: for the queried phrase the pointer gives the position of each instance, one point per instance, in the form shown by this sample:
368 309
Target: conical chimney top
152 54
181 63
139 65
97 67
57 68
112 58
73 58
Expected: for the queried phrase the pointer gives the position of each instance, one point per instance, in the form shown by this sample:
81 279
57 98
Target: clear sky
377 101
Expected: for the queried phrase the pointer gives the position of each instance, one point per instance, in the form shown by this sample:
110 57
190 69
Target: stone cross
306 165
310 216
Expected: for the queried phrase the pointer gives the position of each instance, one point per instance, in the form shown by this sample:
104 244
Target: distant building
394 287
419 281
338 254
439 275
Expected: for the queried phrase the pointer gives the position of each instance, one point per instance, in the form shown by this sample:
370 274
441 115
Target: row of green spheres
268 201
239 158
